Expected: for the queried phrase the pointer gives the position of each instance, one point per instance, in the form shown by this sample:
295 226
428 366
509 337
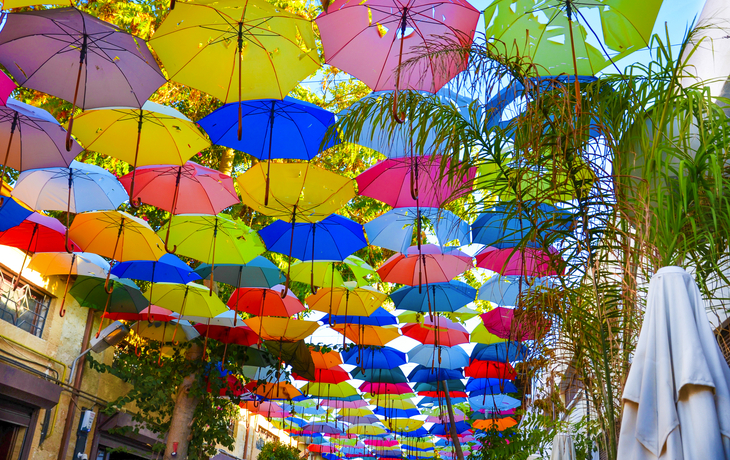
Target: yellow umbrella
281 329
403 424
344 301
480 334
278 390
154 134
236 50
367 430
299 192
329 390
116 235
186 299
355 412
163 331
366 335
330 273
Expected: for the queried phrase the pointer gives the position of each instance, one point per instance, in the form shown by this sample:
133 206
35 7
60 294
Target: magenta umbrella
413 181
500 322
433 265
371 39
524 262
7 86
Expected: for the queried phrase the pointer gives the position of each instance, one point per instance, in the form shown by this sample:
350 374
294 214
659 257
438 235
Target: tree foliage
278 451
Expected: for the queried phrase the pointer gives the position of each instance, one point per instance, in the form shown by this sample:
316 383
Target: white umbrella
677 395
563 448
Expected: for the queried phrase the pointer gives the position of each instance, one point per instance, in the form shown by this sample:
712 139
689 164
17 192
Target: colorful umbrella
334 375
500 322
429 264
278 391
272 50
379 317
490 369
79 188
504 226
329 390
150 314
281 329
521 262
151 135
118 295
12 213
390 181
489 386
494 403
326 360
333 274
428 355
259 272
374 357
34 139
392 375
394 229
430 374
186 299
437 331
168 269
367 430
164 331
434 297
480 334
506 290
344 301
365 335
111 67
502 352
7 85
265 302
239 335
494 424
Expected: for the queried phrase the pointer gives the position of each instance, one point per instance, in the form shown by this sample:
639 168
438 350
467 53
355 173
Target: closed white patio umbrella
677 395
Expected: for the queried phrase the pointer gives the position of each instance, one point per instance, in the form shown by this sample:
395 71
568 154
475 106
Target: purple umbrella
72 55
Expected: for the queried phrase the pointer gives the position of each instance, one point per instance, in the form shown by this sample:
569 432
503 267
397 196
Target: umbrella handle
70 250
82 57
106 306
172 5
167 238
62 311
106 284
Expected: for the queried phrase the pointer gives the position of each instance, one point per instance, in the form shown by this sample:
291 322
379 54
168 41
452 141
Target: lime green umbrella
333 274
212 239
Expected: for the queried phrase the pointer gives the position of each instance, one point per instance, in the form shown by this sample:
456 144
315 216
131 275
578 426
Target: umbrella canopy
391 375
403 425
490 369
333 238
182 189
165 332
272 128
7 85
382 388
489 386
299 192
329 390
505 226
294 353
265 302
267 59
239 335
379 317
322 427
430 374
677 396
521 262
12 213
168 269
480 334
429 264
428 355
79 188
63 263
370 41
390 181
116 235
37 233
501 322
434 297
259 272
494 403
506 290
334 375
326 360
502 352
367 430
150 314
281 329
186 299
333 274
125 297
364 335
212 239
344 301
394 229
374 357
439 331
276 391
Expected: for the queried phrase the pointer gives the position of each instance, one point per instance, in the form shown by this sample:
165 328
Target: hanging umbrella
430 264
444 297
505 290
108 67
281 329
505 226
394 229
150 314
333 238
439 331
440 430
480 334
677 396
371 41
334 375
344 301
273 391
364 335
490 369
63 263
430 374
427 355
228 319
374 357
380 388
37 233
7 85
165 332
403 425
212 238
119 295
379 317
273 50
168 269
259 272
502 352
239 335
295 353
151 135
32 138
79 188
12 213
329 390
265 302
272 128
186 299
333 274
390 181
358 419
367 430
489 386
494 403
521 262
328 428
391 375
500 321
326 360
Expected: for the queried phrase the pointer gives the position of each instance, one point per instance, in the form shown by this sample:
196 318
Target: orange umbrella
269 390
360 301
281 329
262 301
494 424
365 335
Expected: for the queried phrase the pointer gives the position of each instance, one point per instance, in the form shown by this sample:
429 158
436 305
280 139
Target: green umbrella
394 375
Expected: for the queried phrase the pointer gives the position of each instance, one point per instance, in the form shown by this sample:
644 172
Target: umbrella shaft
10 143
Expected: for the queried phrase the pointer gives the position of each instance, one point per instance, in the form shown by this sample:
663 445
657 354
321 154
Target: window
25 306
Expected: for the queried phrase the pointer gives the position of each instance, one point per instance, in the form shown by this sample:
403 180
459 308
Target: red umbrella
442 394
390 181
37 233
187 189
521 262
437 331
239 335
332 375
265 302
490 370
431 266
153 313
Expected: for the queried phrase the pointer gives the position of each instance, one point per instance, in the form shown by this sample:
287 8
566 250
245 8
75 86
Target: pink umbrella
379 388
381 442
500 322
390 181
337 404
521 262
431 266
7 86
371 39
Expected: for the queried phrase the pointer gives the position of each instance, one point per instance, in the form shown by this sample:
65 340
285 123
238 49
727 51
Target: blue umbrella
169 269
441 297
374 357
439 429
504 290
494 403
333 238
11 213
432 374
489 386
503 227
389 412
272 128
394 229
428 355
454 385
502 352
379 317
260 272
429 401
